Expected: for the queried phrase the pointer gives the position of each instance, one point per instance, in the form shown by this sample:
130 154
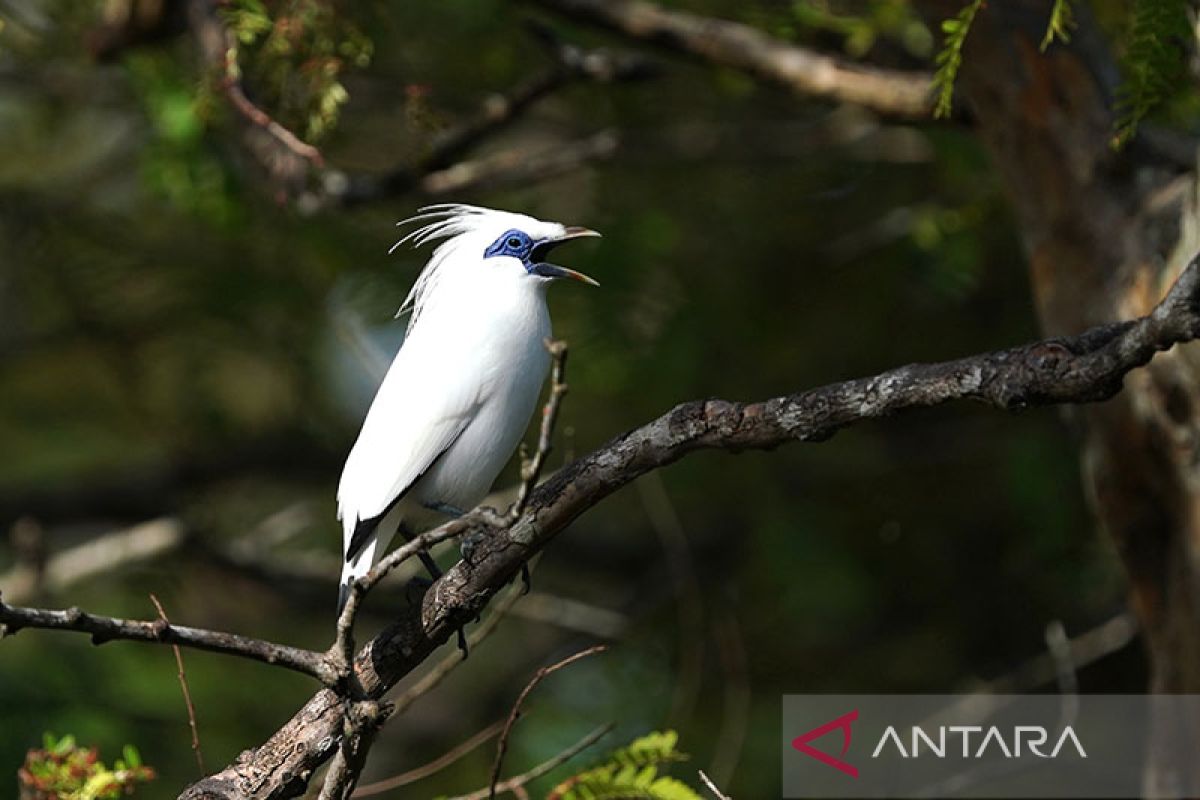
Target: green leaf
631 772
949 59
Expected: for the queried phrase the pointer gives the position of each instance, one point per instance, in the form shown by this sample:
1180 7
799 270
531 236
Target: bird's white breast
499 328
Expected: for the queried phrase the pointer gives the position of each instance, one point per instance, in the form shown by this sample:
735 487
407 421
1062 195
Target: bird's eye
514 242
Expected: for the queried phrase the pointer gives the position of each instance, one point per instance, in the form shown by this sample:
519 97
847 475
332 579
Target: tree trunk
1106 232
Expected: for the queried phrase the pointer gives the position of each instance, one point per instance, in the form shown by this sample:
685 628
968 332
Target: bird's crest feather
444 222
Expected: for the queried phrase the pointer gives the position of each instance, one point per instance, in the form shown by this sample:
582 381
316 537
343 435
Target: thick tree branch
516 165
890 92
1086 368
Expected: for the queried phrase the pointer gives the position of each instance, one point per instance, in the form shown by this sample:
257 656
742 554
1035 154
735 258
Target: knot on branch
1049 358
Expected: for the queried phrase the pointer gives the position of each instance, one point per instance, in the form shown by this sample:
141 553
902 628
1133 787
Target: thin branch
519 166
1089 367
520 781
362 720
732 44
712 787
218 50
183 684
539 676
106 629
572 614
572 64
532 470
433 767
235 92
232 86
1108 637
436 172
340 655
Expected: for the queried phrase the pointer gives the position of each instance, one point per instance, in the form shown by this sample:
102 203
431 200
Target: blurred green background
178 343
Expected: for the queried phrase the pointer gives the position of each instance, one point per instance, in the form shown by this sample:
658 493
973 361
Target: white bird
462 388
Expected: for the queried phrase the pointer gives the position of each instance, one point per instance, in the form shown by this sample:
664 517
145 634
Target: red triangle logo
843 723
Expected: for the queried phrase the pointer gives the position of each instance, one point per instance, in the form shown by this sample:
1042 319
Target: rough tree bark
1106 233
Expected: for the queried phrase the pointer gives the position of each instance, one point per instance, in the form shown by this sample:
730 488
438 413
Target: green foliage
949 60
296 52
1155 58
1062 20
62 770
630 772
176 164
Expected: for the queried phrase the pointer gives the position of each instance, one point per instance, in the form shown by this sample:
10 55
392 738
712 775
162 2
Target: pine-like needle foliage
949 59
630 772
1062 20
1155 58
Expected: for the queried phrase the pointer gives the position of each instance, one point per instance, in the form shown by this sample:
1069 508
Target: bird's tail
360 565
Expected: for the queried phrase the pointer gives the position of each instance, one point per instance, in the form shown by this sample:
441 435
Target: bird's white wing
421 408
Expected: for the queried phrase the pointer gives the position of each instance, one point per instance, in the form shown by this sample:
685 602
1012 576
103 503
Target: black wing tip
362 534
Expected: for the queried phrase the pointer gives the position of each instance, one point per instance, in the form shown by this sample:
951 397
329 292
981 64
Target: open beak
547 270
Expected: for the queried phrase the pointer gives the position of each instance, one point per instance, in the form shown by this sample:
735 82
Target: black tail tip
343 596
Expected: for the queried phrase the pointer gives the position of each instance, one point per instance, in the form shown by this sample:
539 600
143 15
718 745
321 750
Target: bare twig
712 787
742 47
572 64
1087 648
183 684
572 614
520 781
433 767
232 85
340 655
519 165
539 676
532 469
106 629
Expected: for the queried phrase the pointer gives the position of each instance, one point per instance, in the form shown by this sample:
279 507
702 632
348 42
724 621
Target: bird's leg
453 512
526 583
468 545
435 572
431 566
